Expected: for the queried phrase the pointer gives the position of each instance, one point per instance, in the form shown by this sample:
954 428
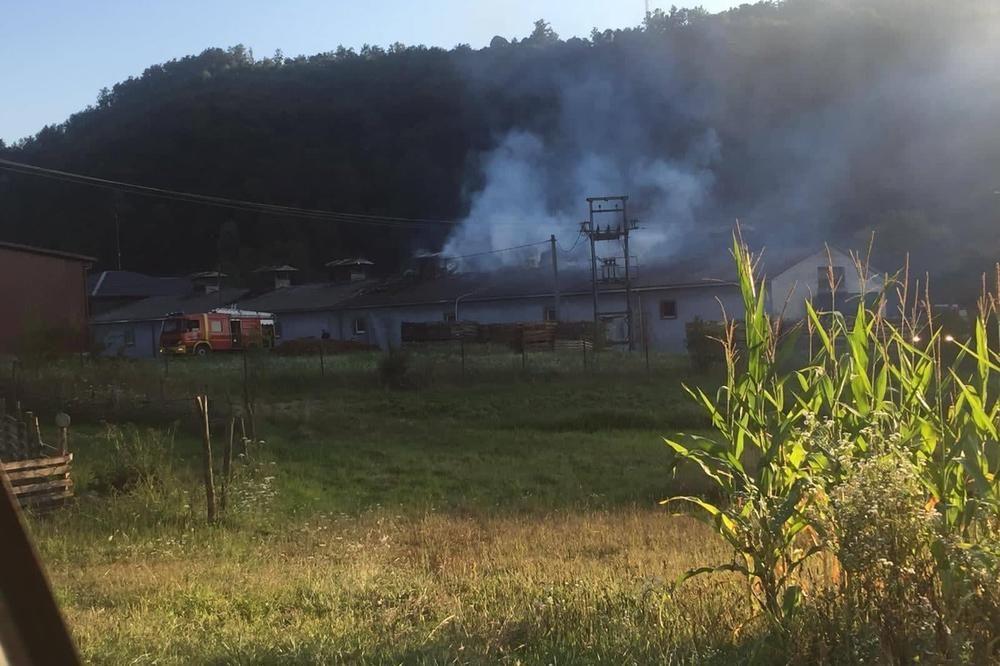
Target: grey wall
112 339
383 324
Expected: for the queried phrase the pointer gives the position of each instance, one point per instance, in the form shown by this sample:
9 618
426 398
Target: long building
354 306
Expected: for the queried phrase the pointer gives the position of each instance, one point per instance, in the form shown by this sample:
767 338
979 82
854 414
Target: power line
573 246
503 249
221 202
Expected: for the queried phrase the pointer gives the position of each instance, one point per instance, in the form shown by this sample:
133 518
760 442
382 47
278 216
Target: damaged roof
510 283
124 284
159 307
306 297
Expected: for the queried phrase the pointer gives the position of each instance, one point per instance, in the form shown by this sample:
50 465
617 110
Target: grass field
510 518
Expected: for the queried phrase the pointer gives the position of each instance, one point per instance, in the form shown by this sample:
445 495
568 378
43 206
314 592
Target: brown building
43 296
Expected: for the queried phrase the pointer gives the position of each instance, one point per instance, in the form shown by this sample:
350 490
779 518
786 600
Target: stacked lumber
40 483
438 331
572 345
539 336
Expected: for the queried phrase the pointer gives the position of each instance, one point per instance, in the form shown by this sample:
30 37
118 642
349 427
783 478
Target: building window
550 313
449 316
360 326
823 277
215 326
130 336
668 309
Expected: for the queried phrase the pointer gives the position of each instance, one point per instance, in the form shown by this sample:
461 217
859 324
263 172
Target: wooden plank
43 486
36 462
34 500
38 473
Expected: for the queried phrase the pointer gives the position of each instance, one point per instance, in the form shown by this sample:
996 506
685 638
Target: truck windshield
180 325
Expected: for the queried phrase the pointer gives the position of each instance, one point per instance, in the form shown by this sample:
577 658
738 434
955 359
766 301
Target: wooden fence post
322 361
202 401
62 422
227 463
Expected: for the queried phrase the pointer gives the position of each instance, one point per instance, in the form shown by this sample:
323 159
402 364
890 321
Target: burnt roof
47 252
158 307
353 261
118 284
307 297
510 283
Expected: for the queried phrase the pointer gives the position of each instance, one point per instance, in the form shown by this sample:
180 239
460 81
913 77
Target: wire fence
163 390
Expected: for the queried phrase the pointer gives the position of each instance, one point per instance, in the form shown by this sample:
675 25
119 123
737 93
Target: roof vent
282 275
352 269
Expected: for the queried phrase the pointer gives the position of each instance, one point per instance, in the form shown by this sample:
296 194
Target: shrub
135 459
394 369
704 344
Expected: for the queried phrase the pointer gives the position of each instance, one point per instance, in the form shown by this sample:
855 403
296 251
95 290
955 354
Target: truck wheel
202 350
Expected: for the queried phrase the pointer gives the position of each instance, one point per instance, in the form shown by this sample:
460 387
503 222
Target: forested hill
808 120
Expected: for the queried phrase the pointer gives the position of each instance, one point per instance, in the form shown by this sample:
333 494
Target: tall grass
879 391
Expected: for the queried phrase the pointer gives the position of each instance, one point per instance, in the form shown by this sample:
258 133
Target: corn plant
868 378
764 471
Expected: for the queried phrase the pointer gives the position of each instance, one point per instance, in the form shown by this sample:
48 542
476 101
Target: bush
394 369
704 344
135 459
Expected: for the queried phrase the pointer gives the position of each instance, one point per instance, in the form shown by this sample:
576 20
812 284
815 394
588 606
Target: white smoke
531 190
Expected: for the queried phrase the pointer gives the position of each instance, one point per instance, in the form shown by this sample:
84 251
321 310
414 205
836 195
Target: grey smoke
859 115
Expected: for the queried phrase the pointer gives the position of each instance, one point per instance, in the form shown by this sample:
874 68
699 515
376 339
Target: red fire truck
223 329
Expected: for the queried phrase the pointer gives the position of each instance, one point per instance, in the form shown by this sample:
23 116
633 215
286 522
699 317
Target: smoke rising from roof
818 122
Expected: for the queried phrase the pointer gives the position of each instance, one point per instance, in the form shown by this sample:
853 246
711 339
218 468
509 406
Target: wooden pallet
40 483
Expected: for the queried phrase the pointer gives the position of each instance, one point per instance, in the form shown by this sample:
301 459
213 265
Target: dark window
360 326
668 309
130 337
550 313
449 316
193 325
823 274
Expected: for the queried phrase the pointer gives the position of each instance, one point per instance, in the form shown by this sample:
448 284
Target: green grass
513 520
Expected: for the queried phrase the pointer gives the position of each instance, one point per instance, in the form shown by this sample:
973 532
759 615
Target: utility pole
118 238
617 207
555 276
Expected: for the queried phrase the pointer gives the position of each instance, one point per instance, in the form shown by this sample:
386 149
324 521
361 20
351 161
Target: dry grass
393 589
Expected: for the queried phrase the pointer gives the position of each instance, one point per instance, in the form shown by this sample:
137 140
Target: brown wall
40 291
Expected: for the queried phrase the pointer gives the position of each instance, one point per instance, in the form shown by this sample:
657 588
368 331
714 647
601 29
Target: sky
57 54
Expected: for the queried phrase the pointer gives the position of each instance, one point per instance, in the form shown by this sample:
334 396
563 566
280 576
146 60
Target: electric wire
503 249
222 202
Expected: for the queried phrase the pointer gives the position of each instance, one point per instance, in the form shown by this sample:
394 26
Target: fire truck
223 329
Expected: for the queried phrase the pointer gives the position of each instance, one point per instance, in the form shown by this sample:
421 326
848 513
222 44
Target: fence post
461 343
62 422
248 409
322 362
227 462
202 401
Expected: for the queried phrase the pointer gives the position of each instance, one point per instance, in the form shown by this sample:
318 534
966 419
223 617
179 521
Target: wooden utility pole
555 276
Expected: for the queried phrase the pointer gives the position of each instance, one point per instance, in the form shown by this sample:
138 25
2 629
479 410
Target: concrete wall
382 325
139 339
800 283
